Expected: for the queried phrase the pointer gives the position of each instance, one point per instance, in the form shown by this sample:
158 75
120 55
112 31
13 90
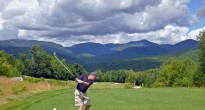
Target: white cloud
85 16
194 33
17 8
168 35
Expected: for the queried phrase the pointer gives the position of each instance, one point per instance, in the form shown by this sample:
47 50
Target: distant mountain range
96 55
96 49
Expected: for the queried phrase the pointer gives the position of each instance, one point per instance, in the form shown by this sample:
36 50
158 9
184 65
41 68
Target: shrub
32 79
128 85
42 79
143 85
18 88
159 84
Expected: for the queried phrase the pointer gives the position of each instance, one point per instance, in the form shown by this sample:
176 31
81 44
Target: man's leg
78 100
80 108
87 107
86 102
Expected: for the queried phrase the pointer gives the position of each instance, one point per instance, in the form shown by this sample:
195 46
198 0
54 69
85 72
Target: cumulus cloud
168 35
194 33
70 22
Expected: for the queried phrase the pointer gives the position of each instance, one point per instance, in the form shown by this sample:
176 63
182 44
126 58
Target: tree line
41 64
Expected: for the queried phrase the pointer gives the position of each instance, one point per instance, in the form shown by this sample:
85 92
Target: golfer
84 82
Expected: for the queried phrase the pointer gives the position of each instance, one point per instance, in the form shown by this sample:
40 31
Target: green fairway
117 99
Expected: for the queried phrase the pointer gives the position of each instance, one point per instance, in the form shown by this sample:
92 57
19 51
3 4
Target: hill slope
17 47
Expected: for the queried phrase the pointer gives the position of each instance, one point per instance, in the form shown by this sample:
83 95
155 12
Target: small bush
33 80
18 88
143 85
159 85
128 85
42 79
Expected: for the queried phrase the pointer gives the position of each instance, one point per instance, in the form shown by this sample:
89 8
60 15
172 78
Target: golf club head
54 53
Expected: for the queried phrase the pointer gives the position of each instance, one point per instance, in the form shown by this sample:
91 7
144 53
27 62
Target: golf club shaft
64 66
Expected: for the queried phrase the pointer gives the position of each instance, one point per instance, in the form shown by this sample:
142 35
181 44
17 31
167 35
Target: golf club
63 64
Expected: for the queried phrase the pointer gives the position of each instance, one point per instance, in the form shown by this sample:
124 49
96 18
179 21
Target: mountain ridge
95 53
97 49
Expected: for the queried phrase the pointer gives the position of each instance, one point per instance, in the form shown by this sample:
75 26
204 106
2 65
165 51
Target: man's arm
90 82
78 80
84 83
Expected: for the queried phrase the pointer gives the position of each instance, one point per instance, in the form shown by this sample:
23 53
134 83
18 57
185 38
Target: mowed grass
117 99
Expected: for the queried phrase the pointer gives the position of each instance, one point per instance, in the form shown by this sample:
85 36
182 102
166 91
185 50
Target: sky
70 22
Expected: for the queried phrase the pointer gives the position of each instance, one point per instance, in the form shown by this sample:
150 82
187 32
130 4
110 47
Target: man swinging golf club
84 82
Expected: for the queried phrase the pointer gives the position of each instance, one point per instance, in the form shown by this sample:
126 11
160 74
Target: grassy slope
118 99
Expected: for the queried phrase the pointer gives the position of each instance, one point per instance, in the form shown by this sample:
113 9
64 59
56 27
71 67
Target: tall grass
11 88
6 85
